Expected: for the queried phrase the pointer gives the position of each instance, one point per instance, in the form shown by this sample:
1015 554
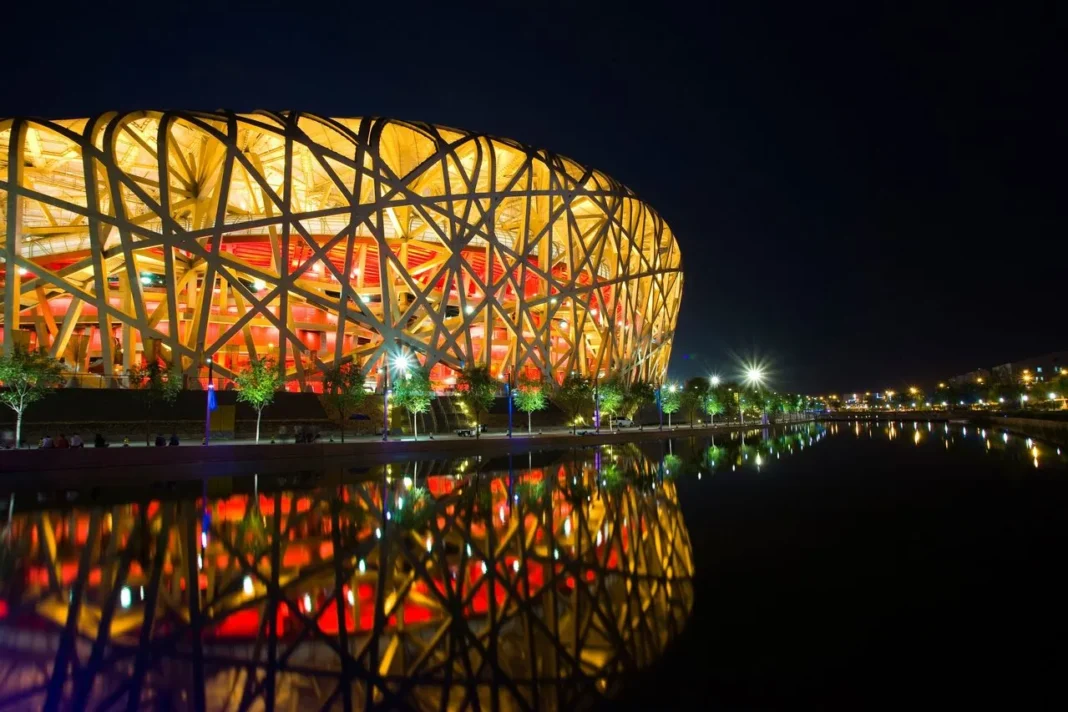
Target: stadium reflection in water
426 585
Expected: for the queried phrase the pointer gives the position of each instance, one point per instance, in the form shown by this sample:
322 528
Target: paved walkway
41 468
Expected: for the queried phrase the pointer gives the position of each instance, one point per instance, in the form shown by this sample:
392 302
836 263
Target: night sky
865 196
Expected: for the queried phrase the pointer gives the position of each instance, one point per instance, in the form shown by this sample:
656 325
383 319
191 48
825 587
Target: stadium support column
13 243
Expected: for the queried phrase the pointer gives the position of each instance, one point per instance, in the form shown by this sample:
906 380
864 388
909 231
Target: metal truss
537 589
186 235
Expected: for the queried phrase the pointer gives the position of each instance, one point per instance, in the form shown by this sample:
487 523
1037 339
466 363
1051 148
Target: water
839 565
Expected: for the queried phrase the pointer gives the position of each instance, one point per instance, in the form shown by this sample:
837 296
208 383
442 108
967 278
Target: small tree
343 389
670 400
157 387
27 377
574 394
693 396
529 397
637 396
413 393
713 406
477 391
256 385
611 397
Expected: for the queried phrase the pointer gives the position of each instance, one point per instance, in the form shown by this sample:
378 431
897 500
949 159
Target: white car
623 423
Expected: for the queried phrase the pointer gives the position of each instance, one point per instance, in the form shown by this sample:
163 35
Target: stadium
182 236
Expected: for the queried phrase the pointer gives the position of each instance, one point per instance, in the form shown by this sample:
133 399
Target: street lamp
509 391
211 401
596 403
384 368
402 362
714 380
660 405
754 378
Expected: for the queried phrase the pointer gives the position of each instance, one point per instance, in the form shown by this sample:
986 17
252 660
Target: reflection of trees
537 587
740 449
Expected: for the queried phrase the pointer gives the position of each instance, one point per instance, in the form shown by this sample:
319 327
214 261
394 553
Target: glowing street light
402 362
754 376
714 380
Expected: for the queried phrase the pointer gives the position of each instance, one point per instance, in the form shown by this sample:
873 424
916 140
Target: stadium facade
186 235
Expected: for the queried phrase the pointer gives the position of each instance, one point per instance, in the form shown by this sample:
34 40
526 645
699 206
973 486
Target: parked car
623 423
470 432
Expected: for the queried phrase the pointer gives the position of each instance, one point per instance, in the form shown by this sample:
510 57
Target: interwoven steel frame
590 579
315 240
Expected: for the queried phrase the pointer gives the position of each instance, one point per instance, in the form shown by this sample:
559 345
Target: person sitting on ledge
173 442
46 443
76 441
61 442
160 440
99 441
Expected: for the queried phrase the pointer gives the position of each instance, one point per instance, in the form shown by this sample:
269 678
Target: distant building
979 375
1033 370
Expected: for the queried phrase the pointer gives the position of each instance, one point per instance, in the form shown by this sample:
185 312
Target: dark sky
866 194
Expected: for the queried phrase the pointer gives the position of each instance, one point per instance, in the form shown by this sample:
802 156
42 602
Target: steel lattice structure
539 590
183 235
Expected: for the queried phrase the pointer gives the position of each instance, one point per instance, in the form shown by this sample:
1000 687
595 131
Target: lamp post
508 390
210 397
596 403
754 376
385 399
660 406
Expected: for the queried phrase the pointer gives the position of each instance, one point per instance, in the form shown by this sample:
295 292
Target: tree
477 390
256 385
693 396
343 389
27 377
610 395
638 395
574 394
412 392
156 387
670 400
713 406
530 396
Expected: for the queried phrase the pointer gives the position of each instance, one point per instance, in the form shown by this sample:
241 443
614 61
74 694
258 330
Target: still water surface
838 564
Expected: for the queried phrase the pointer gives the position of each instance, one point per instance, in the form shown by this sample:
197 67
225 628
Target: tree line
28 376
